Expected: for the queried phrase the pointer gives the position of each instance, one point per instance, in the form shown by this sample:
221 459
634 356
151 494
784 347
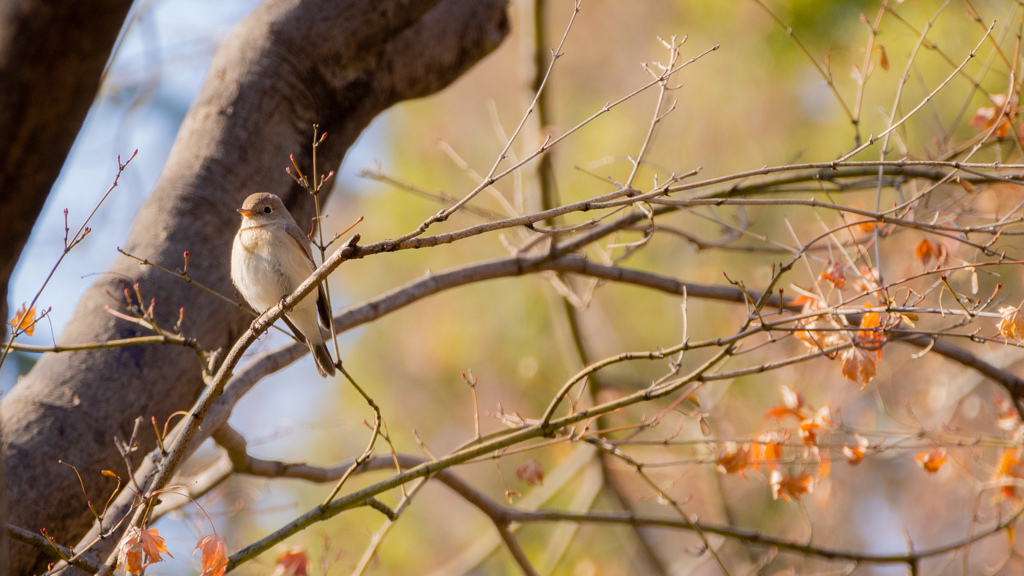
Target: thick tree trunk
289 65
46 89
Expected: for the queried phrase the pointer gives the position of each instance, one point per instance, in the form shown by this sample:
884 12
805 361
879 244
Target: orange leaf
789 486
870 320
215 555
153 545
808 432
531 472
292 562
859 365
767 450
926 251
131 558
1011 325
984 117
1009 464
868 280
824 465
792 405
923 250
867 335
140 548
24 320
1008 472
822 420
988 116
854 454
834 274
810 301
932 460
806 332
1008 417
733 459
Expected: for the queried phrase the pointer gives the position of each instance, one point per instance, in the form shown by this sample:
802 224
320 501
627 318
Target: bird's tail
324 363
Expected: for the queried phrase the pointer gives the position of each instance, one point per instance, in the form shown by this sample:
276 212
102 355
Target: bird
270 258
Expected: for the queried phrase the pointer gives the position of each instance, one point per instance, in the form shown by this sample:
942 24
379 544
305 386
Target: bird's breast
263 269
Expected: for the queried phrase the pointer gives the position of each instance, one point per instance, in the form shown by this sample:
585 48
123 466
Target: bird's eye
266 209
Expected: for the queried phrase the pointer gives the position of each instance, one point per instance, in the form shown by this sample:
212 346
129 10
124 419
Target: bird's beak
246 213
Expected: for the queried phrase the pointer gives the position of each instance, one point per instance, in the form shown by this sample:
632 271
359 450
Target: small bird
270 258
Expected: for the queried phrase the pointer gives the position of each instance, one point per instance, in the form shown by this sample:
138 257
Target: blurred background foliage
756 101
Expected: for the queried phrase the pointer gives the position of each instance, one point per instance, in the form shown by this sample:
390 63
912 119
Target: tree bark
47 89
287 66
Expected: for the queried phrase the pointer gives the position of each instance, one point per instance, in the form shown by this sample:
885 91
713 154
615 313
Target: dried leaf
705 428
1010 464
868 280
869 336
808 432
822 420
868 322
1011 325
932 460
824 464
130 557
733 458
859 365
834 274
791 399
810 301
153 545
792 405
531 472
214 555
292 562
140 548
1008 417
883 60
806 333
856 75
1009 472
24 320
988 116
927 250
767 450
854 454
789 486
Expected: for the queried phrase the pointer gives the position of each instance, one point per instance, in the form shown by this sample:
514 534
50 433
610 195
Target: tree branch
266 87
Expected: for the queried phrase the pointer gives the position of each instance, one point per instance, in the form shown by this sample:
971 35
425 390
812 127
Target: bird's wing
321 307
302 240
295 330
321 300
